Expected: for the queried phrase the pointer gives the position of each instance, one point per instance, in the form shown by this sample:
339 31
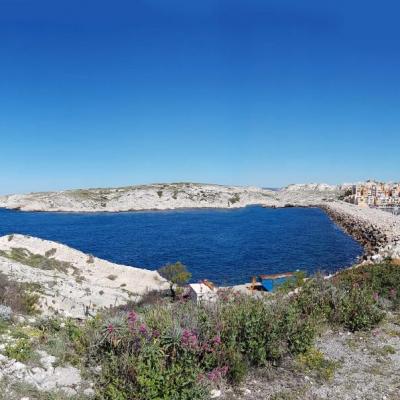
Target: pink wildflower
132 317
217 340
189 339
143 329
375 296
156 333
217 374
206 347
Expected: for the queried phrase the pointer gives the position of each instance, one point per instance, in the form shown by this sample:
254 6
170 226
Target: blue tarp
270 284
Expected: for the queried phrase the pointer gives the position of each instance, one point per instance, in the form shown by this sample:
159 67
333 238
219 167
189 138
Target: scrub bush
168 349
176 274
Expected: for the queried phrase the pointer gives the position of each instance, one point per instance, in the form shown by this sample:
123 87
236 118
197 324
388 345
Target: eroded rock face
70 282
170 196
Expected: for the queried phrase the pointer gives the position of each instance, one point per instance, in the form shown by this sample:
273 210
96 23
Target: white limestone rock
86 286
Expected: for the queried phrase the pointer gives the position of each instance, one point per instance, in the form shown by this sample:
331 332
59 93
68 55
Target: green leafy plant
20 351
176 274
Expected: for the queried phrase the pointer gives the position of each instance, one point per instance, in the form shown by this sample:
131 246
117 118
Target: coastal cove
227 246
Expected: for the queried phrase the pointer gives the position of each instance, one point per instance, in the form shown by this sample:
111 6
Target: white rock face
316 187
170 196
65 379
86 284
146 197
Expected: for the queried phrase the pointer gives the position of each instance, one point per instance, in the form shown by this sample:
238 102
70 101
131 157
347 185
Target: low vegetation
45 262
165 348
176 274
314 362
18 297
234 199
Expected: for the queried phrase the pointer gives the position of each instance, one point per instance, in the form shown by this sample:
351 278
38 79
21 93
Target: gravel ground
367 368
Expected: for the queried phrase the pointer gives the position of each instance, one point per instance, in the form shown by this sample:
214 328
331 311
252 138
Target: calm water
225 246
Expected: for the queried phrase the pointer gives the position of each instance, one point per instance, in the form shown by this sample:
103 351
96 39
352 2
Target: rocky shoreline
378 232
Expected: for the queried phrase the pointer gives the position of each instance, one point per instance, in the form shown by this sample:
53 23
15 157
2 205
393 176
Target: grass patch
21 297
314 362
384 351
26 257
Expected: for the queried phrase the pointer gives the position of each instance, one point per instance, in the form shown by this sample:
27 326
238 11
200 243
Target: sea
227 247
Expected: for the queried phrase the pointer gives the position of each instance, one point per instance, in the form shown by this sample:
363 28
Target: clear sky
258 92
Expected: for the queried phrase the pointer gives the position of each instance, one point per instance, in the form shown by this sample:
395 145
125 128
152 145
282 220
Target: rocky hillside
168 196
70 282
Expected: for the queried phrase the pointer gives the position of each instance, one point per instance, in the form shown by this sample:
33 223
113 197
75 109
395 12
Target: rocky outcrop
47 377
69 282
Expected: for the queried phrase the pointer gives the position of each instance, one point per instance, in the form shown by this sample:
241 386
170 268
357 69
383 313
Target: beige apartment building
375 194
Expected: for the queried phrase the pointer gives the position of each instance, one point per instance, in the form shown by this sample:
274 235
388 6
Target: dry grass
21 297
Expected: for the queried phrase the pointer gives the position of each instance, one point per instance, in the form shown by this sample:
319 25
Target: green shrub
176 274
178 350
382 279
346 301
21 350
357 310
238 366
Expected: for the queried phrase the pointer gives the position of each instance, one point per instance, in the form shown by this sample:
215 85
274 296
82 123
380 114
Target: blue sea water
224 246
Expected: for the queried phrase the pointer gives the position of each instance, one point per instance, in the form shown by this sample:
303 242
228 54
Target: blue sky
254 92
